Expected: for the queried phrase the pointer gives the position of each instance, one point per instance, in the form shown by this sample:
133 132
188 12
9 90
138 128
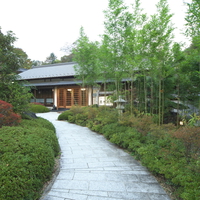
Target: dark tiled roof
49 71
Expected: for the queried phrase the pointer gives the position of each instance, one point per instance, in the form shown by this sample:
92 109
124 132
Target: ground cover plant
168 151
27 154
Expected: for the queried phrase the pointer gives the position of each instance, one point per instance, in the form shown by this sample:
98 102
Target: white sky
45 26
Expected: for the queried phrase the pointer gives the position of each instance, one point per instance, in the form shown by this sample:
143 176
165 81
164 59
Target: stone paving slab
92 168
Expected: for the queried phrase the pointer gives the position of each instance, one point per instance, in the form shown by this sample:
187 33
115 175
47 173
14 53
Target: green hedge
166 150
27 154
166 156
38 108
65 115
39 122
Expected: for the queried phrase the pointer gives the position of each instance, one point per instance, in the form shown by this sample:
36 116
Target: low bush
27 155
72 118
110 129
81 119
38 108
104 116
142 123
65 115
89 116
39 122
76 109
190 136
7 116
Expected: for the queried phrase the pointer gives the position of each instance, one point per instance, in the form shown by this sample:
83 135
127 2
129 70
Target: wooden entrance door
68 97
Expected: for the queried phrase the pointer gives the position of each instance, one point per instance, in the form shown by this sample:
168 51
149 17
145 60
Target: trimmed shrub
38 108
141 123
72 118
27 155
7 116
110 129
65 115
81 119
190 136
166 156
91 117
39 123
105 115
76 109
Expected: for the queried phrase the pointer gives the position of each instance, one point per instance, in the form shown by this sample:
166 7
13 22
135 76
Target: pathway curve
92 168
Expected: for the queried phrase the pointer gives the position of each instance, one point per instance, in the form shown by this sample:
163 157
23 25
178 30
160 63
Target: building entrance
67 97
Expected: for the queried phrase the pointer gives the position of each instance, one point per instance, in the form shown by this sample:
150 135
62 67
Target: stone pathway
92 168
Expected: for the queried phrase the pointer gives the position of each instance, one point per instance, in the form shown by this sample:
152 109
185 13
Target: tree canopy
141 50
11 59
51 59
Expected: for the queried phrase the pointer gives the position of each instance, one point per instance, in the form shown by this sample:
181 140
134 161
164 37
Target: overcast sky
45 26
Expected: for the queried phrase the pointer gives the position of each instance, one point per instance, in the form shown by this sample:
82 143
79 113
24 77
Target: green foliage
126 139
81 119
140 48
165 150
39 122
141 123
11 89
27 63
76 110
9 61
65 115
67 58
190 136
192 64
89 116
27 155
7 116
193 18
100 120
38 108
71 118
109 129
51 59
86 55
17 95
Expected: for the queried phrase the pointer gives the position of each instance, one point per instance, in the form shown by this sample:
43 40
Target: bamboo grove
138 58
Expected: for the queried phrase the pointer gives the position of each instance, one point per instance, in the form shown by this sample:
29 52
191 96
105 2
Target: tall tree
11 89
134 46
10 61
36 63
180 77
67 58
158 59
193 19
51 59
113 40
27 63
86 55
193 55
